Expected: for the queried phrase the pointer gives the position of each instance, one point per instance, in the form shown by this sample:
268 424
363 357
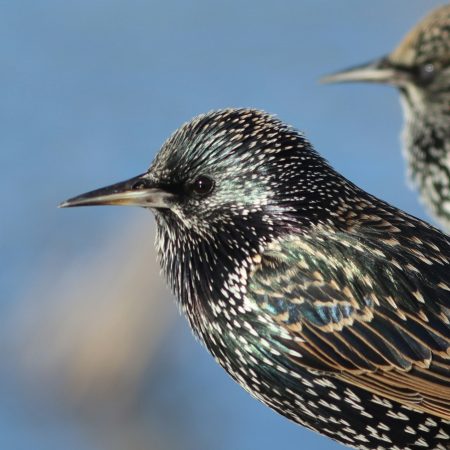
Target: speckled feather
324 302
327 304
426 104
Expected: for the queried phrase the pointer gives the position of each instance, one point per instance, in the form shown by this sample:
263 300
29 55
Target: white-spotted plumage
325 303
277 190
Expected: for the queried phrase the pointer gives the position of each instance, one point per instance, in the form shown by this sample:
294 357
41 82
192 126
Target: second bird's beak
378 71
137 191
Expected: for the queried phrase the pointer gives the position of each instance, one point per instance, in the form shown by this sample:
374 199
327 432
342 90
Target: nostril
138 185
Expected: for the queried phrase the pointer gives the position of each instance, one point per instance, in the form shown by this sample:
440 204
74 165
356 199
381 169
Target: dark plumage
324 302
420 68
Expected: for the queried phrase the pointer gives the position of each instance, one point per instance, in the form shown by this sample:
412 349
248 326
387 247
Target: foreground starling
420 68
324 302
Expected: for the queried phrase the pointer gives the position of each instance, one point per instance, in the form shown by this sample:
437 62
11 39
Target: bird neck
208 271
426 148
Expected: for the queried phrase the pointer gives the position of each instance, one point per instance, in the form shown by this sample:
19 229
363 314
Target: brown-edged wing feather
373 313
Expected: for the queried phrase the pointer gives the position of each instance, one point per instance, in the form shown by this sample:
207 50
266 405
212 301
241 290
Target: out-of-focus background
93 353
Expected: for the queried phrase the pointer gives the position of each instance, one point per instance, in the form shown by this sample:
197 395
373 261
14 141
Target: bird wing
371 310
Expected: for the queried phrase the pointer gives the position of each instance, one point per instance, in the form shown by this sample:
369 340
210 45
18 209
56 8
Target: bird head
225 167
419 66
221 187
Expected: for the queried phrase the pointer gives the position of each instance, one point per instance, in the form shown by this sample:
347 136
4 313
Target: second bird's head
419 66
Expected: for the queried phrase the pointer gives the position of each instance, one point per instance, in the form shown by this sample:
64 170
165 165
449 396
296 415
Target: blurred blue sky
91 89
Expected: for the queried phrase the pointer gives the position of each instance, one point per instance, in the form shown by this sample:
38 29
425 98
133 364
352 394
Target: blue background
89 91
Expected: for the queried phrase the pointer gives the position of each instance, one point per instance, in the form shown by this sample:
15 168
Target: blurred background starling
327 304
420 68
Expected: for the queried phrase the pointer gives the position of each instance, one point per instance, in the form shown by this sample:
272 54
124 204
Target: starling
327 304
420 68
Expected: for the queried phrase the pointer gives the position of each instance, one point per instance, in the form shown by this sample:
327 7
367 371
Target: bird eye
426 73
203 185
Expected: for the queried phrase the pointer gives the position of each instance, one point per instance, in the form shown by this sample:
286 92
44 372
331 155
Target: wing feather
366 315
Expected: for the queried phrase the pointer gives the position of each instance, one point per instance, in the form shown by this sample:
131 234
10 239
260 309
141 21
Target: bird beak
379 71
137 191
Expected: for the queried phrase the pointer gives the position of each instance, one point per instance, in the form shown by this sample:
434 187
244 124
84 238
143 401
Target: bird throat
208 272
427 150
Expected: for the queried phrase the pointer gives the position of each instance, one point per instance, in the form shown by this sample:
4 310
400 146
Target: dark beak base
378 71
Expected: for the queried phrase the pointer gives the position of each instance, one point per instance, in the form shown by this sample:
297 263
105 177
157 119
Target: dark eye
203 185
426 73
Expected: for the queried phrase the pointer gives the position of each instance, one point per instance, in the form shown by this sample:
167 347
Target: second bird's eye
203 185
426 73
